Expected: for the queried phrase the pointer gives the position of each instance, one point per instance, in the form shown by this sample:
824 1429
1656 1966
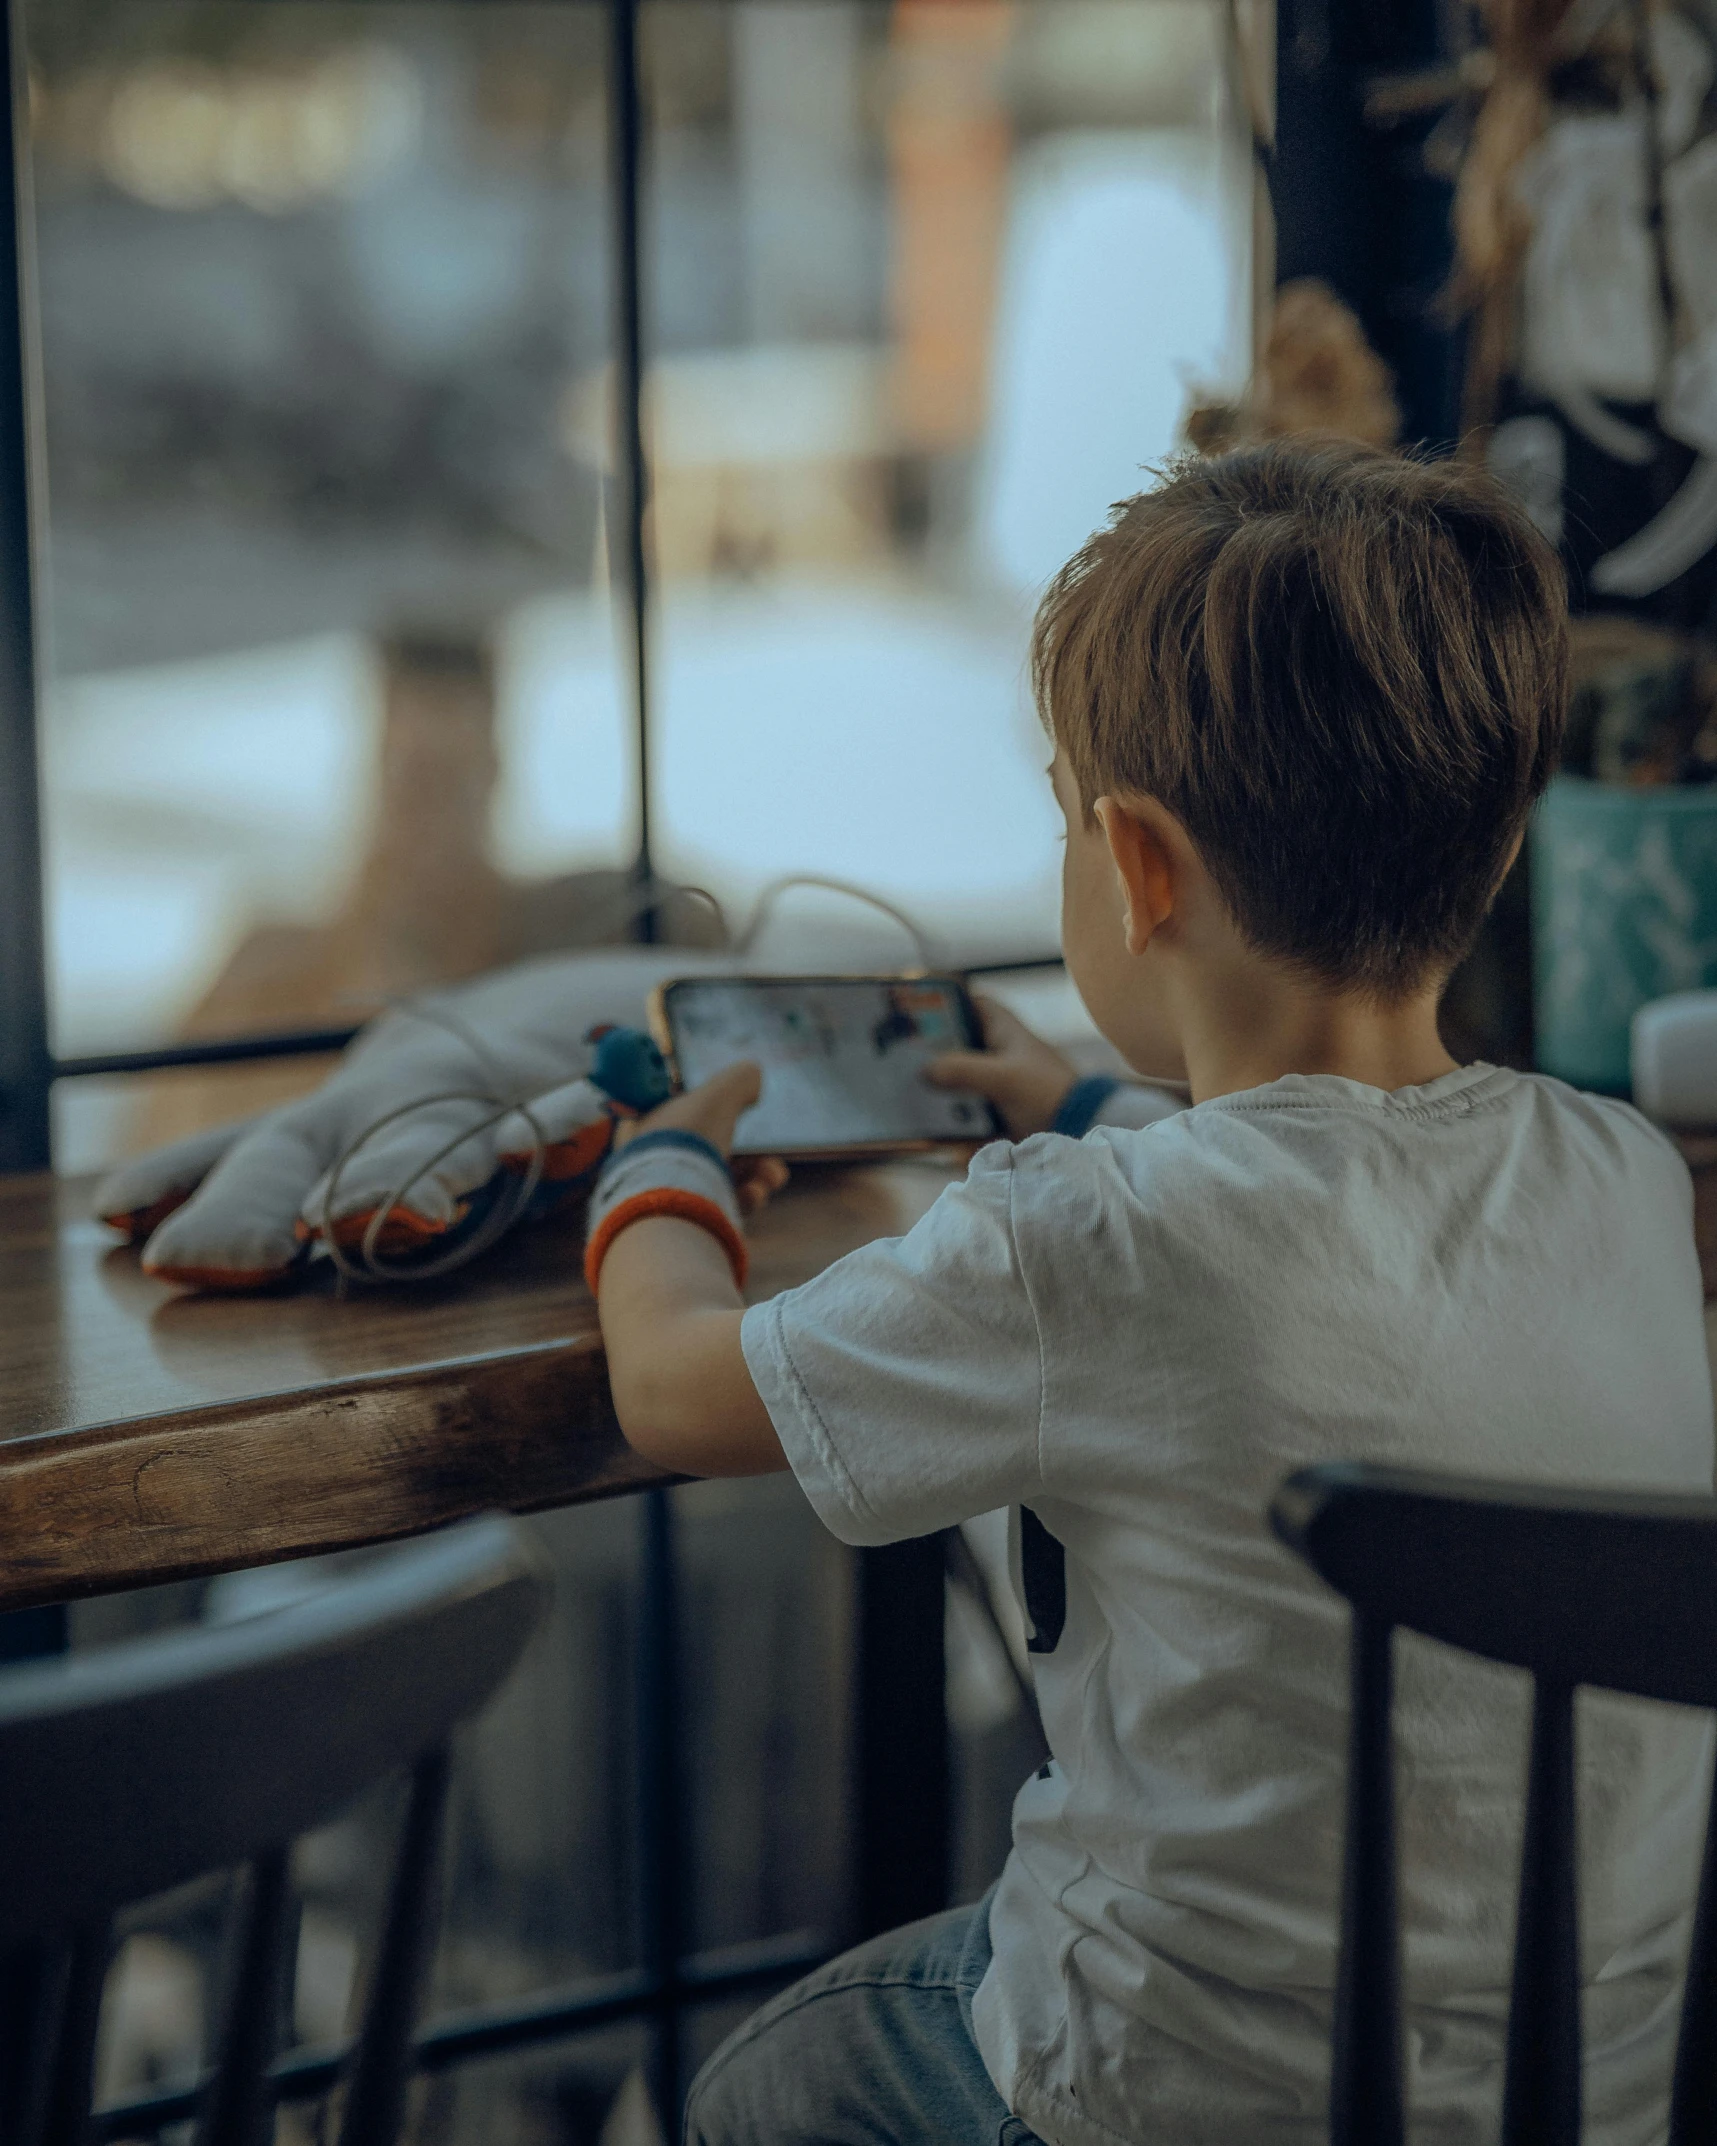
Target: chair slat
382 2065
1693 2105
1580 1586
1609 1588
1541 2092
133 1768
32 1997
237 2108
233 1737
65 2109
1365 2074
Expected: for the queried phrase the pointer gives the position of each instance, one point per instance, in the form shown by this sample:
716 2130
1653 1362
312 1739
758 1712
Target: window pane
334 708
931 283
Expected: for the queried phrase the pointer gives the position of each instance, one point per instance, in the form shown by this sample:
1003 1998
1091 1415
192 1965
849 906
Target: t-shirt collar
1308 1090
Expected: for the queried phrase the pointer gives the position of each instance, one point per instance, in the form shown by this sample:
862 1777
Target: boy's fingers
1001 1026
714 1107
962 1069
757 1181
736 1087
767 1170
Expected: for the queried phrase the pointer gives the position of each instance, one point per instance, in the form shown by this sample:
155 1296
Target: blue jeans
875 2049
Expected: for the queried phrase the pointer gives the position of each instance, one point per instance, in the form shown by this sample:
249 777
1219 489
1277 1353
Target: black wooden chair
1614 1590
135 1768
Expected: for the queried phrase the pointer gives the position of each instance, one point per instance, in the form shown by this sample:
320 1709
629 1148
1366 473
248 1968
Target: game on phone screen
843 1061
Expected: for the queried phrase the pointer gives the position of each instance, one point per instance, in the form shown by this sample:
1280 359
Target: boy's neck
1257 1023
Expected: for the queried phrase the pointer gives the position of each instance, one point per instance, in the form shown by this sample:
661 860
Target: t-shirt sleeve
906 1383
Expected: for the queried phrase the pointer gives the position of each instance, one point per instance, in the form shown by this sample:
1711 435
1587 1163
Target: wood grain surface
150 1435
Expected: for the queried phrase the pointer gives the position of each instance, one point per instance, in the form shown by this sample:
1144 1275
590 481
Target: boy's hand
712 1110
1022 1075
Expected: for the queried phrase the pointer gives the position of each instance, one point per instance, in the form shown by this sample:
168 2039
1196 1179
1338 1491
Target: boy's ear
1145 868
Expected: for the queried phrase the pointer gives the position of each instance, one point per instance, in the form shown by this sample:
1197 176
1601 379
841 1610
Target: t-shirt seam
1034 2083
1448 1107
844 1481
1036 1324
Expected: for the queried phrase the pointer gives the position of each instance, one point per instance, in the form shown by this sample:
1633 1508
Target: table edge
369 1458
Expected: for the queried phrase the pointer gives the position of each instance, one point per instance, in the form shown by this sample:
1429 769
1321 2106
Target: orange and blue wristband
668 1173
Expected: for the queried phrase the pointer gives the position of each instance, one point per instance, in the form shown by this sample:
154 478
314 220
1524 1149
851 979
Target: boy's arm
671 1312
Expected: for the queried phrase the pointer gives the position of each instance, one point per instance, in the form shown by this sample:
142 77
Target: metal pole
661 1871
25 1070
630 489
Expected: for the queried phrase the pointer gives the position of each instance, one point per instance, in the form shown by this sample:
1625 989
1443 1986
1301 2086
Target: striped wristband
673 1173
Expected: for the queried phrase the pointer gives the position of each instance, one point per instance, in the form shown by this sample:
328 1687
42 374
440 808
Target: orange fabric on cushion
139 1224
567 1159
405 1230
237 1278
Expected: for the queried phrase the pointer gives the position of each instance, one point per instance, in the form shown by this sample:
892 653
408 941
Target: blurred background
336 705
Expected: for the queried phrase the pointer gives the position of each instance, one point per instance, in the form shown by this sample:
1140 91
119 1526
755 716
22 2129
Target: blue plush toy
629 1068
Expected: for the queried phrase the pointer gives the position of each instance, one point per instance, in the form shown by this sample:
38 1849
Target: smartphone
843 1059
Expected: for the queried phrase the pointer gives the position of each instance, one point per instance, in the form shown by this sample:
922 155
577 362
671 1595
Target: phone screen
843 1058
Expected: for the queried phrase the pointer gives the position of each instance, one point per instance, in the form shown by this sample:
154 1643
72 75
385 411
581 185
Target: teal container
1624 909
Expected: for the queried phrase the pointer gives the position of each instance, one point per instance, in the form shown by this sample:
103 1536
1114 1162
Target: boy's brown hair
1345 672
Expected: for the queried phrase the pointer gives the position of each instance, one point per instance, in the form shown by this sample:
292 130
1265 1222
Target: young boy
1301 700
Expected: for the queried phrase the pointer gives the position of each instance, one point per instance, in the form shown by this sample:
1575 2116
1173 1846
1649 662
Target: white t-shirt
1135 1336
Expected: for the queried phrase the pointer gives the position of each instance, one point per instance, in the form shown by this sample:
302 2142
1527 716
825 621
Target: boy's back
1137 1337
1302 699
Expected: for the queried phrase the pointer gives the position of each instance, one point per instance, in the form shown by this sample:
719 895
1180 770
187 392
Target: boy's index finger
713 1108
723 1099
1001 1024
960 1069
742 1079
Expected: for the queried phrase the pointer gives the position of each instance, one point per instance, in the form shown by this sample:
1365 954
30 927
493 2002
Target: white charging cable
368 1263
922 943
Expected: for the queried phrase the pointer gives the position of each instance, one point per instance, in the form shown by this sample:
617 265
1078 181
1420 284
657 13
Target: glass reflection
933 283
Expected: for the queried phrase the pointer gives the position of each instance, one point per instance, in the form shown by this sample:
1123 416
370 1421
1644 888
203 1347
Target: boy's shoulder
1609 1123
1269 1214
1304 1124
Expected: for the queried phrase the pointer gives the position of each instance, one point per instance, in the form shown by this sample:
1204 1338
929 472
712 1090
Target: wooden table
149 1435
